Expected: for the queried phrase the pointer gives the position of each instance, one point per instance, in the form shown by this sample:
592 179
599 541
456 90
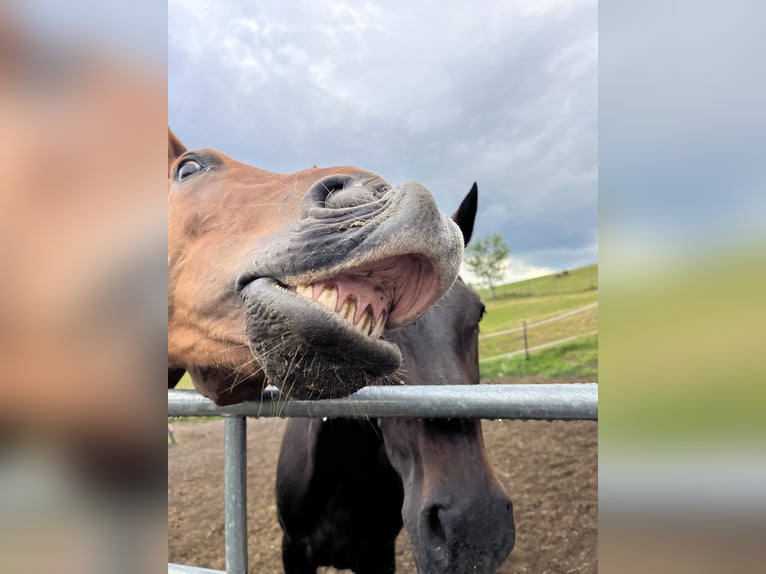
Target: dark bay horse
345 487
291 279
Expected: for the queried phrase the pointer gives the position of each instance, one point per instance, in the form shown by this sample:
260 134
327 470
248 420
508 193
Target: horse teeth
364 324
329 298
306 291
348 310
380 324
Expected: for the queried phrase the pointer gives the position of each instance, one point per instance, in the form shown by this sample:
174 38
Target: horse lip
345 359
408 224
333 326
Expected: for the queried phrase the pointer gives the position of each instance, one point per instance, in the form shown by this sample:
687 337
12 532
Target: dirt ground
548 468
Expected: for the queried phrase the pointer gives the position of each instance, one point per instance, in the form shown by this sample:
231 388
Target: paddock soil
548 468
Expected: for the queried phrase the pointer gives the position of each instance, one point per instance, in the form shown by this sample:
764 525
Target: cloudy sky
443 92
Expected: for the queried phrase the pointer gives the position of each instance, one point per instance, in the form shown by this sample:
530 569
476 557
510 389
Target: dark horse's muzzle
458 521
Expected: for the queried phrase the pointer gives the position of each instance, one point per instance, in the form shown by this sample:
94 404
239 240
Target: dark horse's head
292 278
345 486
457 514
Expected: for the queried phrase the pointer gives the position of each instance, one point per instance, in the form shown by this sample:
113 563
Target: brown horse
345 487
291 279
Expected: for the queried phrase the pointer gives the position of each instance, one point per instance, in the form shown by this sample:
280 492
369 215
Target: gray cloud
442 92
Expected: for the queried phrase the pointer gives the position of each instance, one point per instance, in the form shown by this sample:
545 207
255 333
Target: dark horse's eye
188 168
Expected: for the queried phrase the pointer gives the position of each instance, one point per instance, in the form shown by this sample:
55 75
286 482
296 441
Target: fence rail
525 402
539 347
554 401
541 322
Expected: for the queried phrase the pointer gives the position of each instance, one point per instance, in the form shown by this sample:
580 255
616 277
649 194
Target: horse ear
175 149
466 213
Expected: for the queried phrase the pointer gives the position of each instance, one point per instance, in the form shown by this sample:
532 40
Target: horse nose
470 535
343 191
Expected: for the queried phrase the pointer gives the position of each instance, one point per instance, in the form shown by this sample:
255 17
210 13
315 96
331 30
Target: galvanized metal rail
547 402
524 402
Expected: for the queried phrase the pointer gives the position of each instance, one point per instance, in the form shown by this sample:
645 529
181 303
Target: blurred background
682 208
82 287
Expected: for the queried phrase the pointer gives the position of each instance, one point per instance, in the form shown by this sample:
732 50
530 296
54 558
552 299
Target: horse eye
188 168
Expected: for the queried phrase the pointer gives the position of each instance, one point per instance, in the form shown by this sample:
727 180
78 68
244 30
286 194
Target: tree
487 259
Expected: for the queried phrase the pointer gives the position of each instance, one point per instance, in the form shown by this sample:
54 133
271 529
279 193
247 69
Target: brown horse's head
291 279
457 514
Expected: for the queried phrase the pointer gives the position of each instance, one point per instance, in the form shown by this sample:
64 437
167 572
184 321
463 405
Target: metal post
526 346
235 493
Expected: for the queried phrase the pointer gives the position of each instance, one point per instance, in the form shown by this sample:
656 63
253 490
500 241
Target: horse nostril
343 191
435 526
322 191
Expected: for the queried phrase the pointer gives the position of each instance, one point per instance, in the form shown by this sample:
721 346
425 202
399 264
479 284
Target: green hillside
574 294
569 281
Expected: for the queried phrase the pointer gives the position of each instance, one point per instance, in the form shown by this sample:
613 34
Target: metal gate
521 402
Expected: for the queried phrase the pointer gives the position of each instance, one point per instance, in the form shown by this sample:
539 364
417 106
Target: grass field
536 300
491 343
577 358
185 382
